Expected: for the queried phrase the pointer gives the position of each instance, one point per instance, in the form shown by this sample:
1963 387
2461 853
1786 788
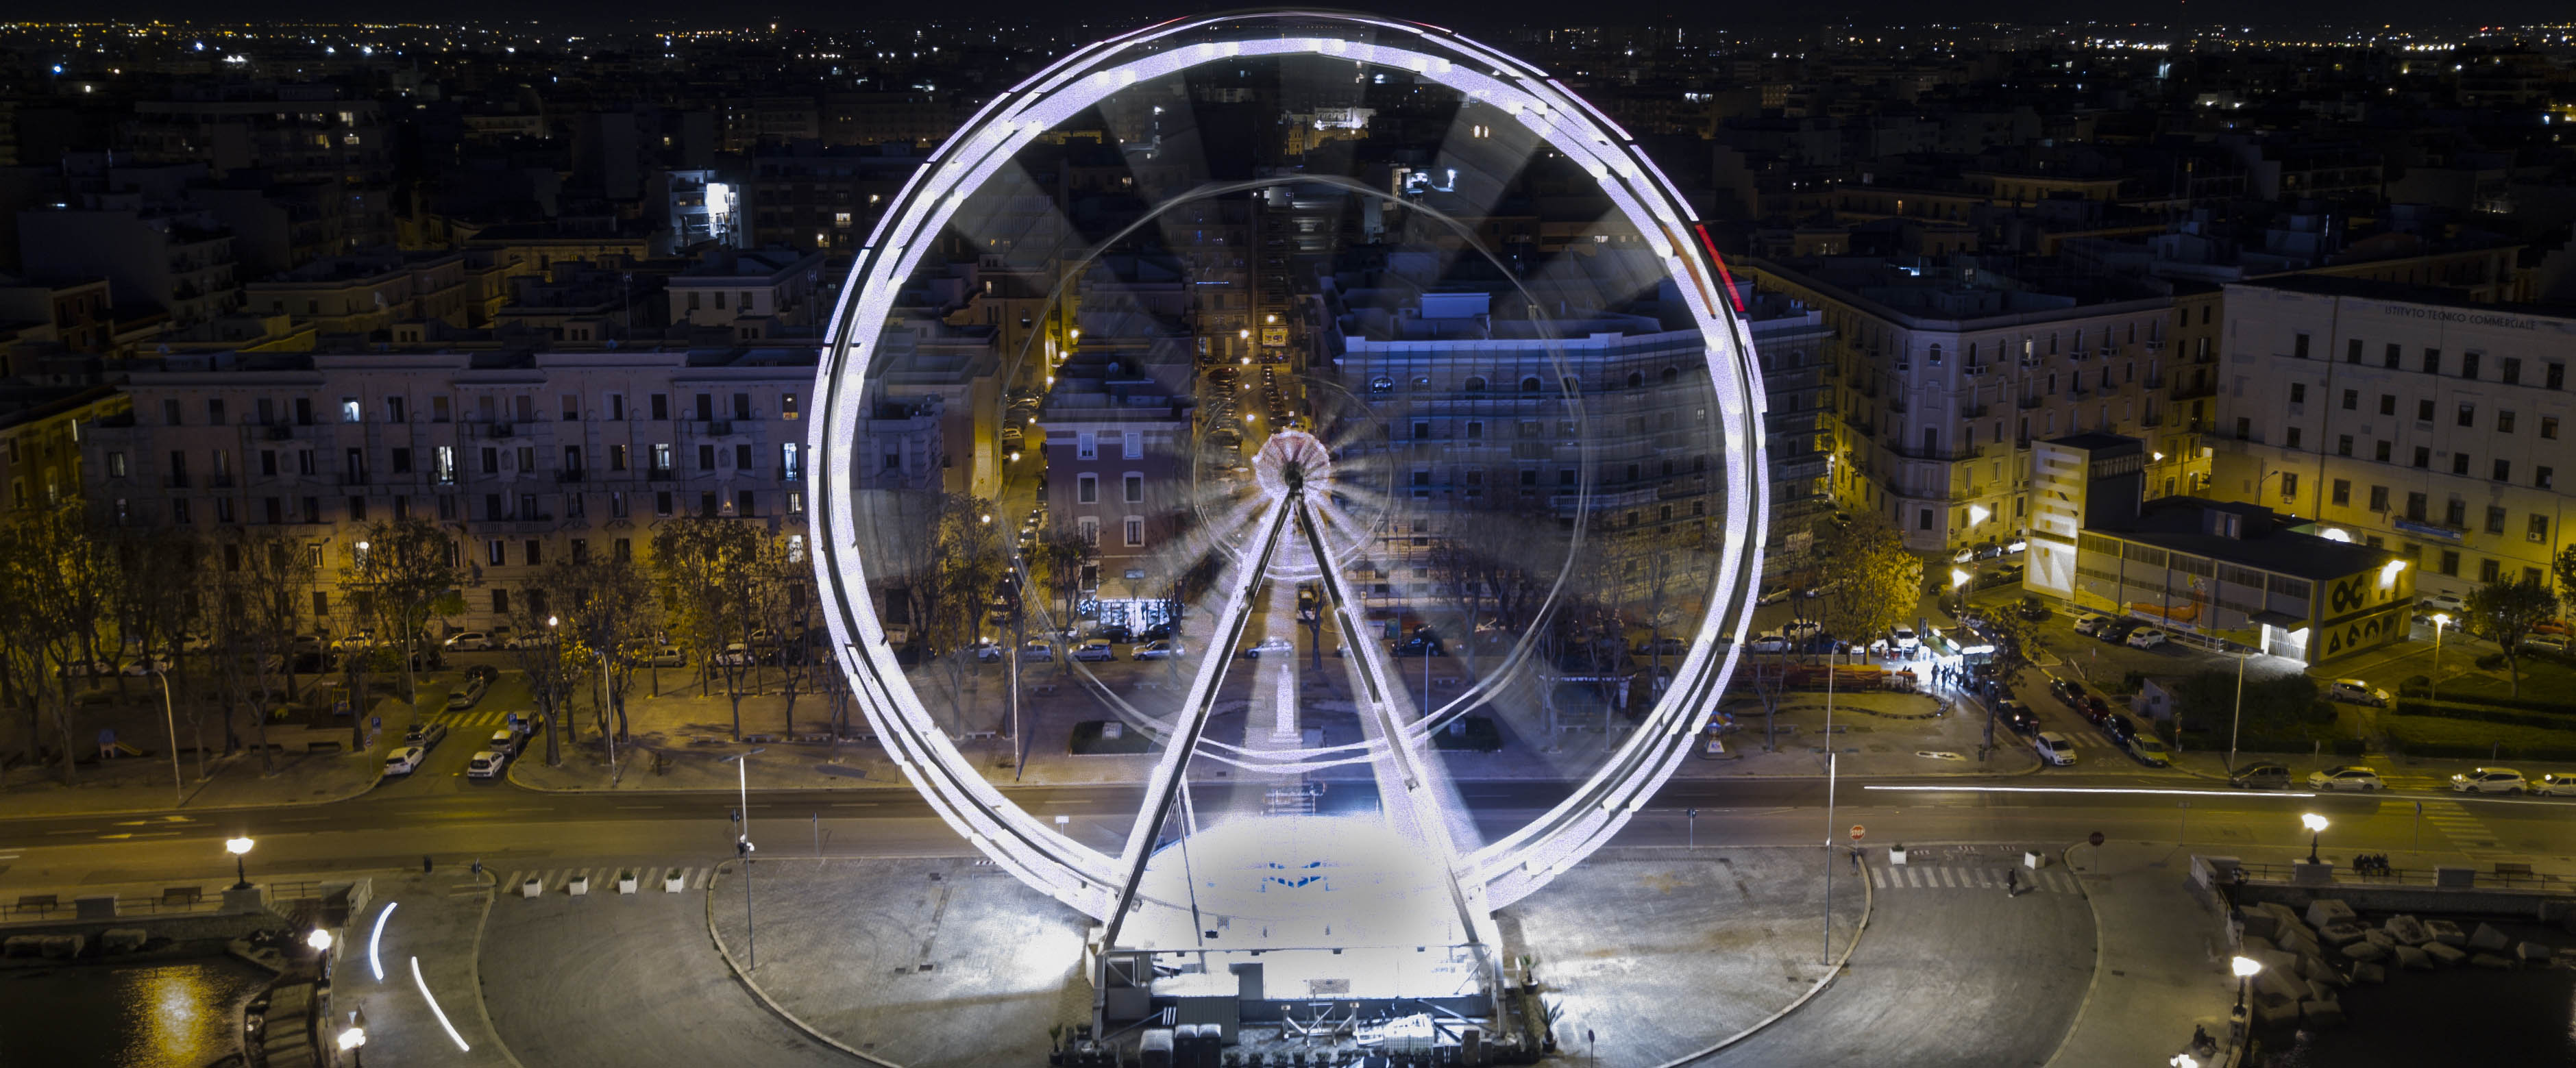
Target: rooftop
2179 524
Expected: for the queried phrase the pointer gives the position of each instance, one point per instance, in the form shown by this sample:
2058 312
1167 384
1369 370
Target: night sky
590 15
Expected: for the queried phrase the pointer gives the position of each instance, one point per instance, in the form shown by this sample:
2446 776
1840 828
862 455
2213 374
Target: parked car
988 650
467 693
2150 751
2554 784
2355 691
2551 644
665 656
472 641
1778 596
1158 650
1667 645
1115 632
1768 643
1037 650
2053 748
405 760
485 765
2033 609
2095 708
1422 643
506 742
2118 630
2017 716
2147 638
734 655
146 665
1158 632
425 735
1095 650
2120 728
2260 777
2448 604
2091 624
2345 777
2068 692
1903 640
1268 647
2488 781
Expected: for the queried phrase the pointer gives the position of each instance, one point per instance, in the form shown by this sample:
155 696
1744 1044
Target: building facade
526 458
2406 418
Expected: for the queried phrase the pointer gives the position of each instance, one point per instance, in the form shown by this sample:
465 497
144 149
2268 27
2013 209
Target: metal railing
2505 877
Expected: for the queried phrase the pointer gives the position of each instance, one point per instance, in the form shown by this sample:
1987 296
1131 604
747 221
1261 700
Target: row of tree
228 616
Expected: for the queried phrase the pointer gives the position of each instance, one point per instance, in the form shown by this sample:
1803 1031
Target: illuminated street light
2440 621
319 939
237 847
2316 825
2245 969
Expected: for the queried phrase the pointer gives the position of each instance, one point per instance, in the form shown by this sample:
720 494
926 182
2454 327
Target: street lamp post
2316 825
742 848
170 719
2245 968
2236 724
354 1037
2440 620
238 847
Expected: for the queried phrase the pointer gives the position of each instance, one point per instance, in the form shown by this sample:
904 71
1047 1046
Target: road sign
1856 832
2096 839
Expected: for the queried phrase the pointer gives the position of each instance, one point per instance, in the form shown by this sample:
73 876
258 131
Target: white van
2053 748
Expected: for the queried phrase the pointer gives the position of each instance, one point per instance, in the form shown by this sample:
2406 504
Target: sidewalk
143 784
2163 965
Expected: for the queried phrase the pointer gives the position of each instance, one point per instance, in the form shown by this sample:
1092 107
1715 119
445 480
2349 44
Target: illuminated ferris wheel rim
1039 854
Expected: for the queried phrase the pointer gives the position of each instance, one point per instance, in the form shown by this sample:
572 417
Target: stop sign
1856 832
2096 839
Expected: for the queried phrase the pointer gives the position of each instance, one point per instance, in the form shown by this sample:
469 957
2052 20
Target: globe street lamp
2316 825
320 940
237 847
2245 969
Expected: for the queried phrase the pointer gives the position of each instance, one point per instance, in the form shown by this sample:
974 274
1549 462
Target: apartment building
529 458
2404 417
1947 370
1117 441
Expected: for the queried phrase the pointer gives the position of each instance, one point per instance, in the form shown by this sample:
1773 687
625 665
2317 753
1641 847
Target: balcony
2186 391
2028 403
1973 411
1952 454
498 431
573 474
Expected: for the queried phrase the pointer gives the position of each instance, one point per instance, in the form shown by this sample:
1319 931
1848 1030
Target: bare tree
554 666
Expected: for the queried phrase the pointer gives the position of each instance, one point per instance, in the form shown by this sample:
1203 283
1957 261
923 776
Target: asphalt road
501 824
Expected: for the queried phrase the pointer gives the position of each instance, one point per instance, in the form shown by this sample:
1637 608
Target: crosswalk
649 878
2467 833
1968 877
472 719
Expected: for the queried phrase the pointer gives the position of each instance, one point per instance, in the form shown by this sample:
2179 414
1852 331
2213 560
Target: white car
2147 638
1160 650
2554 784
2355 691
1905 640
2346 777
472 641
988 651
485 765
2488 781
2053 748
1094 650
2090 624
2448 604
1267 647
404 761
1768 643
665 656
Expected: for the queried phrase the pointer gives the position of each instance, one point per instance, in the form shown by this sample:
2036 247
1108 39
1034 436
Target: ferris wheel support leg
1169 778
1418 805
